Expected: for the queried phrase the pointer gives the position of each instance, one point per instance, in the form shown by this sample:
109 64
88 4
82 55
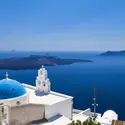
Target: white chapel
23 104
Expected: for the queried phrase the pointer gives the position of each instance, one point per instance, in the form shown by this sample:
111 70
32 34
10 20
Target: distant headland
113 53
35 62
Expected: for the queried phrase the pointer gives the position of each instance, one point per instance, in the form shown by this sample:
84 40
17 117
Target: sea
107 74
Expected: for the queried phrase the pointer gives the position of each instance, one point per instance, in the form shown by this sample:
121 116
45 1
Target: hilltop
113 53
35 62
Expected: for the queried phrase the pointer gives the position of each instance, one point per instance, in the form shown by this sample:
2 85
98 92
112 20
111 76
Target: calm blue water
79 79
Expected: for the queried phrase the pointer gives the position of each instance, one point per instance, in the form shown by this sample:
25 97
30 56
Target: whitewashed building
23 104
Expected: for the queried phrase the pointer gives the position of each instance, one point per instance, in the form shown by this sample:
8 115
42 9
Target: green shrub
78 122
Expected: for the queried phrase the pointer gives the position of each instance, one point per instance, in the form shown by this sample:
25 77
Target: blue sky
62 25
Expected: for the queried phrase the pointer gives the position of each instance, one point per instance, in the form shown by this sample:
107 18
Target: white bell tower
42 81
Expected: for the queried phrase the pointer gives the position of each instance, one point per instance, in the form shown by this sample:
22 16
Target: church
23 104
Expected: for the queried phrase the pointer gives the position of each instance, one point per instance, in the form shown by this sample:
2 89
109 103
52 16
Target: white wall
64 108
13 101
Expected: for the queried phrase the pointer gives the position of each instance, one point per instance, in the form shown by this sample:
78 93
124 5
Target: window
44 84
18 102
39 82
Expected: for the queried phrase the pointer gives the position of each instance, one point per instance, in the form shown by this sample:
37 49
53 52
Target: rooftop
117 122
46 99
58 120
81 117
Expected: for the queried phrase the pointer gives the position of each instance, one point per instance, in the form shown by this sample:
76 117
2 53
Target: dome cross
6 75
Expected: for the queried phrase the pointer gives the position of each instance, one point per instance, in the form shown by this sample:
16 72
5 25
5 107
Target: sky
62 25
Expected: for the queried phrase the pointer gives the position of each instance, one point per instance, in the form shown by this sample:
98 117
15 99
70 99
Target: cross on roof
6 75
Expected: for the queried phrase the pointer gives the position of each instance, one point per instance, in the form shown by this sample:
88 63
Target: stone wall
22 115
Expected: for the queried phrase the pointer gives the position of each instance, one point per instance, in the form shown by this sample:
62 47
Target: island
113 53
35 62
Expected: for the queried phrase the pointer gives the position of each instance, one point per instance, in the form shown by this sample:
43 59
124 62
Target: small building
25 104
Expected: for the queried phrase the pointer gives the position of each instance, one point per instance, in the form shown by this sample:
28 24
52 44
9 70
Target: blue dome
10 89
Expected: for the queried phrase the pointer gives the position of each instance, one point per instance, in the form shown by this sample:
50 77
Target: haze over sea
107 74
